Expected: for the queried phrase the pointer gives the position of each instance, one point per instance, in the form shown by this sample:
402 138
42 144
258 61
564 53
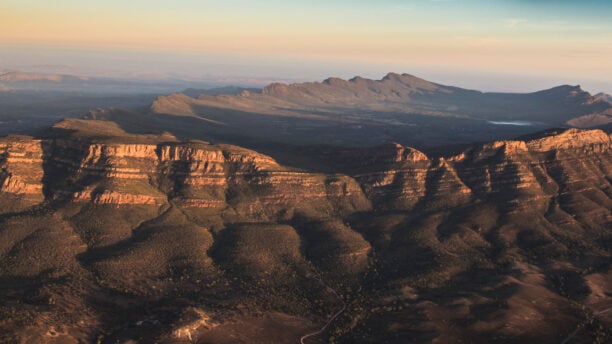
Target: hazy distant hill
56 83
601 119
604 96
362 112
217 91
14 77
400 108
32 101
403 95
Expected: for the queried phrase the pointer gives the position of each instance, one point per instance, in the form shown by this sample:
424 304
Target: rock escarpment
190 175
521 173
528 172
104 227
21 173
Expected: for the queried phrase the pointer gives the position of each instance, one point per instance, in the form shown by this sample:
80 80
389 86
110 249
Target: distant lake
519 123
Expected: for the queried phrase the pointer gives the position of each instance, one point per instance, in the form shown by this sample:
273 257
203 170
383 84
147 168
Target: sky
484 44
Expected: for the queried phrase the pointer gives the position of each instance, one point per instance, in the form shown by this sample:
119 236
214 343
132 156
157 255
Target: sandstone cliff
21 173
104 227
529 172
191 175
520 173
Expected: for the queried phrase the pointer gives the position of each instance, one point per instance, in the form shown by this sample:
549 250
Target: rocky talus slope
120 238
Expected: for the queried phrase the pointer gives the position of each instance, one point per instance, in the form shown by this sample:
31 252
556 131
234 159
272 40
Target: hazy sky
478 43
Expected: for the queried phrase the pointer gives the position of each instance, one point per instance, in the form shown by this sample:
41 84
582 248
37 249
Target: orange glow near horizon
452 41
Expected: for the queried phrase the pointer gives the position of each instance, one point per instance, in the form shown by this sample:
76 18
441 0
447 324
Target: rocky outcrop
521 173
254 187
109 197
21 173
22 162
403 238
394 176
193 320
191 175
591 141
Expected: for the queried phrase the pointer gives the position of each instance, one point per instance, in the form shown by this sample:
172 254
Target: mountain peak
412 82
391 76
333 81
358 79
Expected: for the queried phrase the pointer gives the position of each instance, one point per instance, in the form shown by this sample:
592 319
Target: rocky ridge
197 174
192 175
393 94
21 172
198 234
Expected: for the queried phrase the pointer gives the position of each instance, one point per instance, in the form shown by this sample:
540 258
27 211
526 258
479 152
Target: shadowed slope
506 240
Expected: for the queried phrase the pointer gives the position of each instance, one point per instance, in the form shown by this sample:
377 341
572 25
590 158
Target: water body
517 123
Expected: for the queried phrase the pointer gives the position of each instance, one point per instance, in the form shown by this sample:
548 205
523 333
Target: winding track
336 315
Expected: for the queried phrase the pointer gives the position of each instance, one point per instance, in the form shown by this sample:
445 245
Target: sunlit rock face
190 175
21 173
521 173
198 235
200 175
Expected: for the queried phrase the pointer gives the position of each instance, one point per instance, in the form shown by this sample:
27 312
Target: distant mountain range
395 99
362 99
363 112
62 83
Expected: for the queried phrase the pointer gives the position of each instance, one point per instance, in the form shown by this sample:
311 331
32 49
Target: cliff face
191 175
21 173
525 173
198 175
414 241
393 175
533 172
103 173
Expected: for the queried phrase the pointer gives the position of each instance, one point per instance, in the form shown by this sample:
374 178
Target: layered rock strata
523 173
191 175
21 173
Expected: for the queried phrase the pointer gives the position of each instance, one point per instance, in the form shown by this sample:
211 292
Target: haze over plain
499 45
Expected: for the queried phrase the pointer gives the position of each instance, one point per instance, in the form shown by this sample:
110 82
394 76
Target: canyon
185 239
